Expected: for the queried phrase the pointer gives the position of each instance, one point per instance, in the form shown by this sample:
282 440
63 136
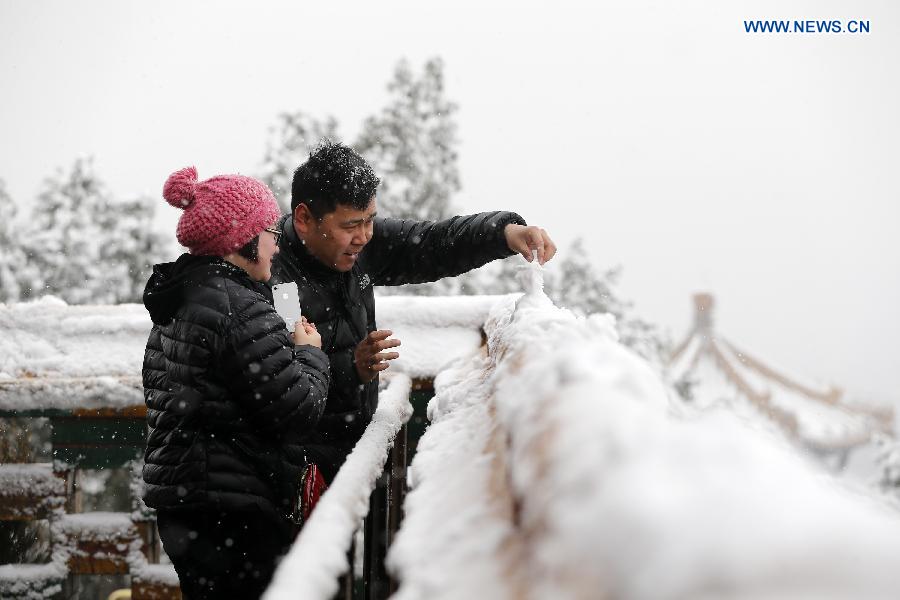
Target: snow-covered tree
572 282
291 139
133 247
84 247
577 284
63 235
12 258
412 144
582 287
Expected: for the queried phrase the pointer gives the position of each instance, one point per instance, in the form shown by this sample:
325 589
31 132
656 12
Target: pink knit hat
222 213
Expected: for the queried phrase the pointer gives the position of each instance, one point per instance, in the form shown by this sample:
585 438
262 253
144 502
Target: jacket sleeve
280 386
343 369
405 251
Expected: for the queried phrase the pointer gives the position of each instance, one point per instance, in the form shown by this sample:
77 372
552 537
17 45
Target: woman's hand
305 333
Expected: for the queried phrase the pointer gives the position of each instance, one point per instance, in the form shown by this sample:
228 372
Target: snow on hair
179 188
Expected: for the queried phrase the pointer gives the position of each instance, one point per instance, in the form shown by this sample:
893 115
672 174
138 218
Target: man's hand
369 357
524 239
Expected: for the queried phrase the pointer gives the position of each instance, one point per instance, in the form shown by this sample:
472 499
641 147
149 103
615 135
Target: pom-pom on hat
222 213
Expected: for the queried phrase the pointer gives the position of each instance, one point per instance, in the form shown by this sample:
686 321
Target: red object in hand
313 487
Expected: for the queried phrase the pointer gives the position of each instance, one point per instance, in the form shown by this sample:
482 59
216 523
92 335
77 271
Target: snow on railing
30 479
558 466
319 556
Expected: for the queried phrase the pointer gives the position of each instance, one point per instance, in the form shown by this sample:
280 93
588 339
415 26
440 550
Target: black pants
223 555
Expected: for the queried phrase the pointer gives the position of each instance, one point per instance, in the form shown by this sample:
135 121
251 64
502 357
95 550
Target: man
336 249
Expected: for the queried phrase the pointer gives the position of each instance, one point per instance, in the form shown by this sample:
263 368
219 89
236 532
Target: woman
228 391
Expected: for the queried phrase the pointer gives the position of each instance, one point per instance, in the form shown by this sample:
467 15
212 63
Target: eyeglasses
276 232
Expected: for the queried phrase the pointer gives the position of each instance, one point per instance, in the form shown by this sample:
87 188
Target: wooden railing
80 543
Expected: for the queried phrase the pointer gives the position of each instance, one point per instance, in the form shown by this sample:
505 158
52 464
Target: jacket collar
164 293
306 261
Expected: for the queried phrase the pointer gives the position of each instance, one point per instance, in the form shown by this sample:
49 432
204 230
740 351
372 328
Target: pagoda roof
815 415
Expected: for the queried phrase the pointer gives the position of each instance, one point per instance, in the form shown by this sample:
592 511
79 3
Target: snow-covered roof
53 355
59 356
816 415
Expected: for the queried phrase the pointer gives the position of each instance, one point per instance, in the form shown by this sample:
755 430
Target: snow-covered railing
559 466
30 491
318 558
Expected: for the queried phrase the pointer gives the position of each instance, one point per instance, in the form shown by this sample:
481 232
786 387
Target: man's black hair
334 174
250 250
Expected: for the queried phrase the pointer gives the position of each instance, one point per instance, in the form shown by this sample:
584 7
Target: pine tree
84 247
412 145
291 139
132 249
497 277
573 282
63 235
584 289
581 287
12 259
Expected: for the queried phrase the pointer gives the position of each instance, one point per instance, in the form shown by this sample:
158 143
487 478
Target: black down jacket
342 305
228 394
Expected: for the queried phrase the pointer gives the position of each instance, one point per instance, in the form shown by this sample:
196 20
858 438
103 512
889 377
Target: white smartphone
287 303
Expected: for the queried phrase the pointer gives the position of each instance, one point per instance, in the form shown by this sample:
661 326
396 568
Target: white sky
760 167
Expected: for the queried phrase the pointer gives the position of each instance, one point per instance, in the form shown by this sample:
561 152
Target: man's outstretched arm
405 251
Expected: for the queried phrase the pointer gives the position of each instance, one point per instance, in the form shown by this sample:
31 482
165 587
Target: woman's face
261 270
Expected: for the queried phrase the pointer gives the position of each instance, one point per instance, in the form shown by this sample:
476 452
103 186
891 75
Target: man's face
337 238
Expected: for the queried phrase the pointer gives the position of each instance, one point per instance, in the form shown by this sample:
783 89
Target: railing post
383 521
396 493
376 540
347 582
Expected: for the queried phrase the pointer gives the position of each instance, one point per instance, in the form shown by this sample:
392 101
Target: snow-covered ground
558 466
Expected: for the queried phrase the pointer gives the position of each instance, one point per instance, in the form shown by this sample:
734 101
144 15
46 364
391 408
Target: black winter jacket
228 394
342 305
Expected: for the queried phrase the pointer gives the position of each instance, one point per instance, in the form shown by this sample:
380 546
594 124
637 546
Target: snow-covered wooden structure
77 369
710 369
